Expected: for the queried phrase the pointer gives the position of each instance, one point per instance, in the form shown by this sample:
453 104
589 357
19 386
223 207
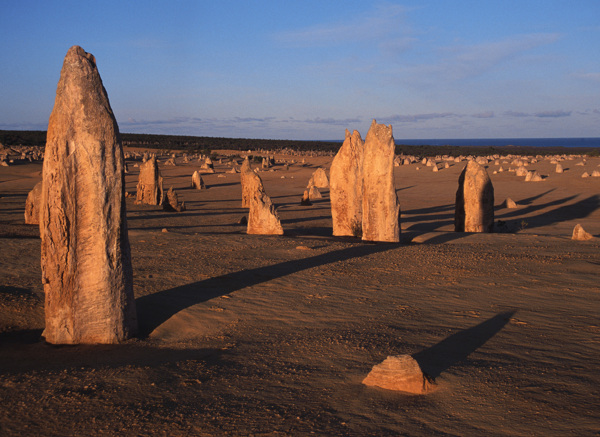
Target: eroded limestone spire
85 256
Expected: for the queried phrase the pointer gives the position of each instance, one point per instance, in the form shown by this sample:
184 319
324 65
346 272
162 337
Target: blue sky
310 69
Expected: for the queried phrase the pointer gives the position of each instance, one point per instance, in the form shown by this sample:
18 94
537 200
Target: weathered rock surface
319 179
247 181
314 193
380 211
399 373
305 201
509 203
579 234
533 176
32 205
171 202
474 208
521 171
262 216
346 191
85 254
197 181
150 184
208 164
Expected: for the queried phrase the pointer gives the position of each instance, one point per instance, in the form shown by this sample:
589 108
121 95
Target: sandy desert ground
264 335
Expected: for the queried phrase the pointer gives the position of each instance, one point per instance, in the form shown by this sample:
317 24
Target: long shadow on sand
155 309
24 351
577 210
459 346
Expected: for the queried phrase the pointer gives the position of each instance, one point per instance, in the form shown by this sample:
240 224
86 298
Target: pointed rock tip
77 51
356 134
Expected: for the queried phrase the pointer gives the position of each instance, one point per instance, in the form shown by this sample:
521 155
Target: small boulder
197 181
509 203
400 373
521 171
579 234
533 176
314 193
319 179
305 201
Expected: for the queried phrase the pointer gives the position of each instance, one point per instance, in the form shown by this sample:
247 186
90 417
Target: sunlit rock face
262 216
346 186
198 182
579 234
150 184
246 180
172 203
319 179
85 255
400 373
380 210
32 205
474 208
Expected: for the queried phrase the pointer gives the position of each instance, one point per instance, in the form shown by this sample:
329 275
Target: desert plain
272 335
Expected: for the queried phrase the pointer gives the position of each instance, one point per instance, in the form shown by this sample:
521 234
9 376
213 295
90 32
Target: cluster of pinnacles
363 194
80 207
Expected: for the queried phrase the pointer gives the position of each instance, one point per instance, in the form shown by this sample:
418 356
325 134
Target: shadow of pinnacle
157 308
456 348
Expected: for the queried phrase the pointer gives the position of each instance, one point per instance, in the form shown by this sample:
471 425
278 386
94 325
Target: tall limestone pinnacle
85 256
380 210
346 182
474 207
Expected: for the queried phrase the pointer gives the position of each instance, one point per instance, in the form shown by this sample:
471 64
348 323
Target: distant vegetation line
203 144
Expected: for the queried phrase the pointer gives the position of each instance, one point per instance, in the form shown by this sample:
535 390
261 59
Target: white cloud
594 77
485 114
465 61
385 25
553 114
412 118
516 114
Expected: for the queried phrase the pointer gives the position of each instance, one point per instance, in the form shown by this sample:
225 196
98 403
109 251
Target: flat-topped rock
150 183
